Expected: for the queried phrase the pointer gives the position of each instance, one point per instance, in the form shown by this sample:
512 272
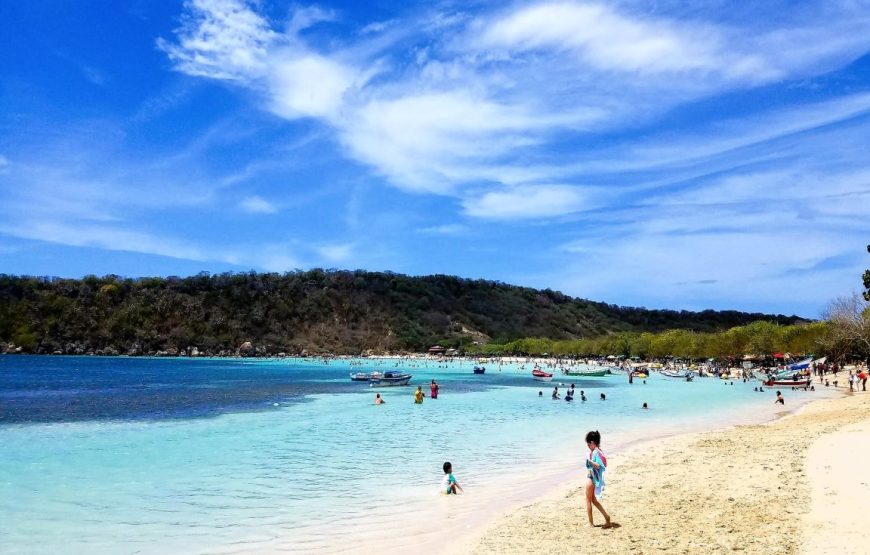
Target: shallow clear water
122 455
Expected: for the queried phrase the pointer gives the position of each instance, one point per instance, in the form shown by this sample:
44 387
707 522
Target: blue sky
659 154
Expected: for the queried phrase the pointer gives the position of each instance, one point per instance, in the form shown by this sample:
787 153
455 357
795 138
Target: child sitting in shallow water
449 485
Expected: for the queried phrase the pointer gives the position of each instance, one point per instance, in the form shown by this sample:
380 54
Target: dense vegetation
761 338
318 311
843 335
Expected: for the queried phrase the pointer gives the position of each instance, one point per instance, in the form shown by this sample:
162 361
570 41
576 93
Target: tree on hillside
849 330
867 281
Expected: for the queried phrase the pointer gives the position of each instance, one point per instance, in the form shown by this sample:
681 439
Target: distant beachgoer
755 389
449 485
555 393
378 400
645 406
569 396
540 393
644 382
596 464
779 399
603 397
582 397
433 390
631 377
761 390
418 395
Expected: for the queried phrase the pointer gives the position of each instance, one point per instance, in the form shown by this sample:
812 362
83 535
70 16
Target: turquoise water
237 456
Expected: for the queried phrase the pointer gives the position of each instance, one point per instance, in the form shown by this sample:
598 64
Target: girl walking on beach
596 464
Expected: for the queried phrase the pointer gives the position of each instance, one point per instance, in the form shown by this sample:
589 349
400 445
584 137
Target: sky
663 154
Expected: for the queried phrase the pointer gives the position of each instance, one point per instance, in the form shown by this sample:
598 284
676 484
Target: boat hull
788 383
382 382
594 374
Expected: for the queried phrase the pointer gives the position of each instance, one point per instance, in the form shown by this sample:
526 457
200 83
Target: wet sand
788 486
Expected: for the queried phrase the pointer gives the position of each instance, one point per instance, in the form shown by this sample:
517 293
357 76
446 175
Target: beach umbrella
778 355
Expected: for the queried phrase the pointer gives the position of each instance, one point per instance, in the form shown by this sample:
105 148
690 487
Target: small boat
586 373
479 369
389 379
359 377
788 383
541 376
683 375
641 375
801 365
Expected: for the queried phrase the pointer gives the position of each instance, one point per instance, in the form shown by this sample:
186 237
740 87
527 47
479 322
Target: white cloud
445 229
336 253
258 205
107 237
527 202
450 118
604 38
308 85
221 39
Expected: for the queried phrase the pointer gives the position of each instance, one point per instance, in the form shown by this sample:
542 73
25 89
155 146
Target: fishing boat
788 383
541 376
479 369
586 373
389 379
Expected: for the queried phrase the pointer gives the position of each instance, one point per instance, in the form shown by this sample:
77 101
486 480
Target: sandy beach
794 485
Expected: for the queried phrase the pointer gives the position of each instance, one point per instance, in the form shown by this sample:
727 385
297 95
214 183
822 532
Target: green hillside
318 311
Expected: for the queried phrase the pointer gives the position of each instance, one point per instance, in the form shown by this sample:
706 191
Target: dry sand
749 489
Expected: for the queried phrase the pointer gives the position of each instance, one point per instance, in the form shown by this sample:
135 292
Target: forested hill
318 311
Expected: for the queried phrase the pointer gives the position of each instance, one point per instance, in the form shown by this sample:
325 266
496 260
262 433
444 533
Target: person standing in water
433 390
418 395
596 464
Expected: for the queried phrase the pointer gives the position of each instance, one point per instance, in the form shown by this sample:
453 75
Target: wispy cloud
445 229
336 253
451 122
258 205
527 202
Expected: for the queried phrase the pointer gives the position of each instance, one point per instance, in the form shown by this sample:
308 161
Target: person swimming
556 393
379 400
645 406
603 397
418 396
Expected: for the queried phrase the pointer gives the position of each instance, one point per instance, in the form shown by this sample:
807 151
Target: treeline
761 338
317 311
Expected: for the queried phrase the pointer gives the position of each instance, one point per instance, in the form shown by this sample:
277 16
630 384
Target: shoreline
565 483
690 492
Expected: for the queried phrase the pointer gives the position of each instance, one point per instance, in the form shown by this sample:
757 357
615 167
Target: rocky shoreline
246 349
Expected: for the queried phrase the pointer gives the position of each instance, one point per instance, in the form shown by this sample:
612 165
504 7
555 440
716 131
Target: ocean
229 456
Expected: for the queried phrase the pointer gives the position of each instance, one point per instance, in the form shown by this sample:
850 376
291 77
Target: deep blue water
67 389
